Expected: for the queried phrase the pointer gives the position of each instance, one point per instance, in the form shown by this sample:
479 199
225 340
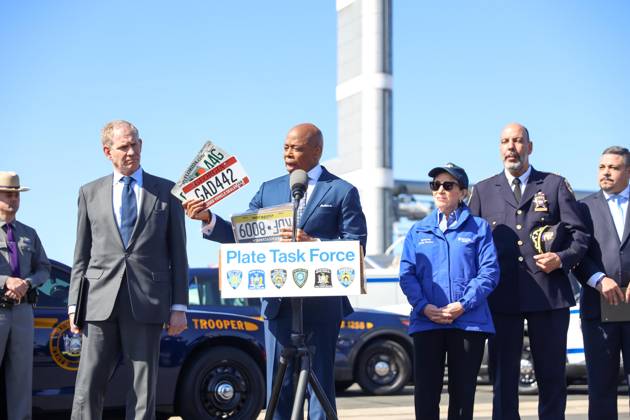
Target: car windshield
203 289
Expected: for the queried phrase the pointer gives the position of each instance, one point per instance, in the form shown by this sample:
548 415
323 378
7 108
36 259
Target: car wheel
527 384
221 383
383 368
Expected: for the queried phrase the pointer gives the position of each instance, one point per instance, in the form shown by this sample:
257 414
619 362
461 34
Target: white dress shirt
524 179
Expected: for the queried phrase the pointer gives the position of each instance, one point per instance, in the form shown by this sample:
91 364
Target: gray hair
107 132
618 150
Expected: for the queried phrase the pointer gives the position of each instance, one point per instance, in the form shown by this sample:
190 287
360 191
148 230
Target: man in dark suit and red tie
333 212
533 287
603 272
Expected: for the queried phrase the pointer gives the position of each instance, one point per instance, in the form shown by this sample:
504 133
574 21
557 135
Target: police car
216 368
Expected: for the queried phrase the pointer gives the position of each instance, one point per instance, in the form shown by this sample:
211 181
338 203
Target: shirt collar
451 218
137 176
524 178
625 193
315 173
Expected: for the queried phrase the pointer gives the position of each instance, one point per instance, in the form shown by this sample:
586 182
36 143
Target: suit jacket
332 212
154 261
523 286
606 253
34 265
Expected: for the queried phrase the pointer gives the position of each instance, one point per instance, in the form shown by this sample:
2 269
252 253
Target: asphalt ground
353 404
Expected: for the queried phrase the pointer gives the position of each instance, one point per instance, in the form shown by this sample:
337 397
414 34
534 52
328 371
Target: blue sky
241 73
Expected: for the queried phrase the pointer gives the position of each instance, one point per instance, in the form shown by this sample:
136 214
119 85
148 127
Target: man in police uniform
23 267
603 272
533 287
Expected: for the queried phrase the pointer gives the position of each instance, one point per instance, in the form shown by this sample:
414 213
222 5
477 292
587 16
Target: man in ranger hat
23 267
533 287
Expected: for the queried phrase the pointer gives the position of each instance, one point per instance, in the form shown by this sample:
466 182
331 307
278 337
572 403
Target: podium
293 270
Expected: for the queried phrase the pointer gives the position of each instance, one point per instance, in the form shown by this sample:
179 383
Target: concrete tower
364 107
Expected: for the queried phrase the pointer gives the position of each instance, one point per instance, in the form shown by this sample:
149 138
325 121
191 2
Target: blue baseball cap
455 171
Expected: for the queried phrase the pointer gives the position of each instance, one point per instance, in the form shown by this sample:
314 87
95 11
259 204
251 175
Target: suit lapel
532 187
605 216
149 197
105 193
504 190
626 227
321 188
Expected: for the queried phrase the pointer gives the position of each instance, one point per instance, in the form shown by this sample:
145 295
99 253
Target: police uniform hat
455 171
10 182
549 238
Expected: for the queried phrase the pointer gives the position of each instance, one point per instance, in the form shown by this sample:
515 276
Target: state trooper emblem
279 277
345 276
540 202
256 280
299 276
234 278
323 277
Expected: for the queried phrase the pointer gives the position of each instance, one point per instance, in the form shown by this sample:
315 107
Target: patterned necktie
517 189
128 211
14 261
300 209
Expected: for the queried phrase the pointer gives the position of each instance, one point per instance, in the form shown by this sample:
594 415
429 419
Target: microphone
298 180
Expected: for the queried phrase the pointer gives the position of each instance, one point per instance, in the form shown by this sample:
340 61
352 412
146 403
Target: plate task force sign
211 176
281 269
262 225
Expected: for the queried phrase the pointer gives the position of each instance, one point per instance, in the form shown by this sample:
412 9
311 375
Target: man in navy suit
603 272
533 287
332 212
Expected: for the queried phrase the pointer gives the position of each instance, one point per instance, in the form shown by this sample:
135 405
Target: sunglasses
448 185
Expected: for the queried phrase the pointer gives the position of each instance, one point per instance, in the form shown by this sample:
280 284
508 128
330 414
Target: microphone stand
299 354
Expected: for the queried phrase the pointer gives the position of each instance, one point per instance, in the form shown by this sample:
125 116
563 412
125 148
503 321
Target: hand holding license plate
262 225
212 176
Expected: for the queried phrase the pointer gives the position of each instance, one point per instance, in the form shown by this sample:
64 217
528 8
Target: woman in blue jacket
448 268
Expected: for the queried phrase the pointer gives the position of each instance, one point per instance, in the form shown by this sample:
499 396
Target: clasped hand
15 288
444 315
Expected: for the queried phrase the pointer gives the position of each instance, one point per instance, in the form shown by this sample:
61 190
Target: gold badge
540 202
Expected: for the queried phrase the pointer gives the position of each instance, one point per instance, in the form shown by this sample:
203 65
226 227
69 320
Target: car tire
527 384
221 383
383 368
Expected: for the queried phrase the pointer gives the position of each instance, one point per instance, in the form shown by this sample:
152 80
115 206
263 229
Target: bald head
515 147
303 147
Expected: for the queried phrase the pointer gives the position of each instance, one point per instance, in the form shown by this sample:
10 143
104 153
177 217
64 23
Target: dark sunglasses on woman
448 185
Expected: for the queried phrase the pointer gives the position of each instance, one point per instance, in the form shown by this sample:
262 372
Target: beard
514 166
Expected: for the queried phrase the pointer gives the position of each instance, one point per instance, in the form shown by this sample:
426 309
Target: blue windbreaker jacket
439 268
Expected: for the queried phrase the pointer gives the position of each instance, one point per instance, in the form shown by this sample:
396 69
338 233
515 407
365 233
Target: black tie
517 189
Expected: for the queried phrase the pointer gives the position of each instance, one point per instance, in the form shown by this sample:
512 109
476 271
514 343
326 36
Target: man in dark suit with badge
604 274
534 286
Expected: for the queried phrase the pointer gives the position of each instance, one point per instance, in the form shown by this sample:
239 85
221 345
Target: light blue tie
128 211
619 217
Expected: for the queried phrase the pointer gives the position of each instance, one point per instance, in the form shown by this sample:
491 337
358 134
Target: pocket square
325 205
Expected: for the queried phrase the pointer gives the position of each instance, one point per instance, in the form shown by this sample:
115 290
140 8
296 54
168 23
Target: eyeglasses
448 185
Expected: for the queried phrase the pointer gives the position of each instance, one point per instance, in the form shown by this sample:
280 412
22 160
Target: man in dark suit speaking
602 272
533 287
332 212
131 251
